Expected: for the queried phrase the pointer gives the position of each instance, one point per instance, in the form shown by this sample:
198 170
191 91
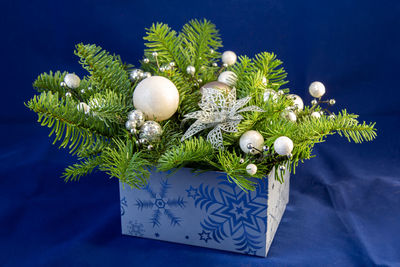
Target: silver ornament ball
136 74
146 60
314 102
68 94
190 70
151 131
282 168
214 64
154 54
63 84
129 125
270 94
332 102
241 161
137 117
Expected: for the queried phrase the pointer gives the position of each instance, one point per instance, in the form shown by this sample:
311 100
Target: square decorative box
205 210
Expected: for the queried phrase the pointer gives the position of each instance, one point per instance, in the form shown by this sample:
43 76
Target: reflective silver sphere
137 117
151 131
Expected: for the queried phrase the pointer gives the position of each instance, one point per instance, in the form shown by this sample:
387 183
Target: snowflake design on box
235 213
161 204
135 228
219 111
123 205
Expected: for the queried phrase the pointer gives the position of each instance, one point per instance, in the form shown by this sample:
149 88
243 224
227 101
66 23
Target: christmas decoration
283 146
220 112
255 139
227 77
72 80
229 58
110 134
157 97
251 169
317 89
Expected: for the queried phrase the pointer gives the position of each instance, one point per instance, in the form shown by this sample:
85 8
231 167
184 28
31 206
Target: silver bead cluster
190 70
137 74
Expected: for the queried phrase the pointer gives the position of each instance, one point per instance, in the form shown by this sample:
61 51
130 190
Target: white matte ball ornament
157 97
72 80
298 102
228 77
283 146
251 169
251 137
316 115
229 58
317 89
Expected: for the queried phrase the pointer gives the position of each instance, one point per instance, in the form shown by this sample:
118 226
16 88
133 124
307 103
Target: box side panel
201 210
278 197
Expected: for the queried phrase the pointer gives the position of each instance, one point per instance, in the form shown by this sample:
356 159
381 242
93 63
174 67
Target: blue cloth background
344 205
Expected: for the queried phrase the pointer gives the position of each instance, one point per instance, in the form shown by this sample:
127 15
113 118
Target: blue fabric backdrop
345 204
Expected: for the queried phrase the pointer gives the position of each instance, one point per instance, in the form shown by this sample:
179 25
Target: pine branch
84 167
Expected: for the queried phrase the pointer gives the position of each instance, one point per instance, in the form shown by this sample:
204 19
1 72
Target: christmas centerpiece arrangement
186 105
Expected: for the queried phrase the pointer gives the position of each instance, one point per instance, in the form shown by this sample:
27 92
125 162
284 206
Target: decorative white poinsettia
219 111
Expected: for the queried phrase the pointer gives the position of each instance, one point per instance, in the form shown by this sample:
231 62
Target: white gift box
205 210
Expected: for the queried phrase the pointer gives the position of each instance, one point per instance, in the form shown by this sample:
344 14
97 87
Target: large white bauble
229 58
157 97
283 146
72 80
298 102
228 77
317 89
251 137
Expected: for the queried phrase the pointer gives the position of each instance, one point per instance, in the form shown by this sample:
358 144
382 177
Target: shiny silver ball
253 151
150 147
225 65
265 148
154 54
280 92
332 116
137 117
146 60
332 102
168 67
172 64
129 125
250 146
63 84
190 70
200 80
290 156
68 94
215 64
241 161
212 51
82 91
147 75
282 168
133 131
142 141
314 102
89 88
162 69
151 131
135 74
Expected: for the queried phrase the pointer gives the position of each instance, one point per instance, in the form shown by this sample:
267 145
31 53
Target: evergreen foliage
99 138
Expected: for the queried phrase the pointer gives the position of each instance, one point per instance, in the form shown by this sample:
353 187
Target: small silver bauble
147 74
137 117
225 65
290 156
289 115
212 51
241 161
264 81
317 89
83 107
68 94
89 88
142 141
190 70
265 148
332 116
280 92
136 74
154 54
168 67
251 169
172 64
129 125
214 64
162 69
282 168
150 147
200 80
249 146
133 131
63 84
314 102
150 130
82 91
332 102
146 60
72 80
270 94
229 58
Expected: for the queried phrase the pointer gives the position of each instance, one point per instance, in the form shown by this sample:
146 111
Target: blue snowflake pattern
232 211
205 236
192 192
123 205
161 204
135 228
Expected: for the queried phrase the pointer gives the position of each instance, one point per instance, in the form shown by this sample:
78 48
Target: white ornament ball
317 89
72 80
157 97
316 115
137 117
190 70
150 131
229 58
270 94
283 146
298 102
289 115
251 137
251 169
83 107
228 77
